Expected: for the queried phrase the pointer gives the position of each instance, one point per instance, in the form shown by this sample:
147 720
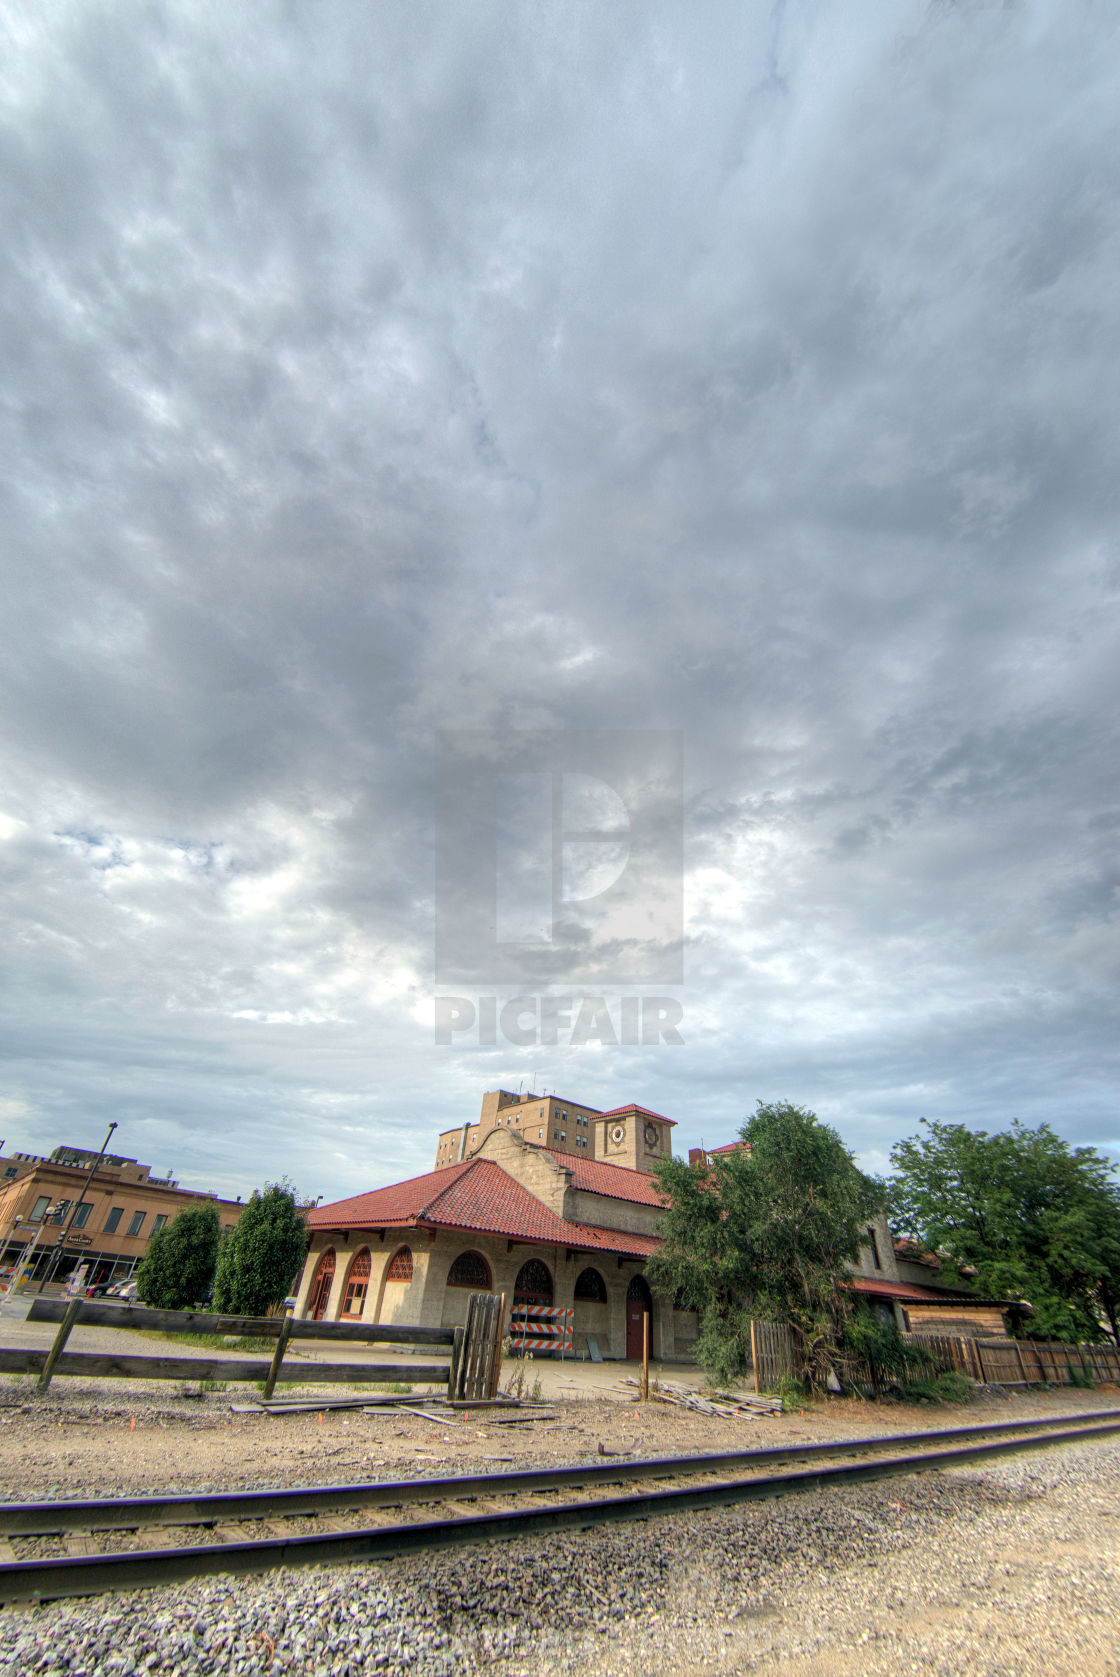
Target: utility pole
64 1231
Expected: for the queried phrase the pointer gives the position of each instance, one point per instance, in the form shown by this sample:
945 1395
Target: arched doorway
321 1286
533 1284
639 1304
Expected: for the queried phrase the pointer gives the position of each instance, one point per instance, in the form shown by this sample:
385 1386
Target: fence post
456 1359
645 1356
278 1355
496 1372
1022 1364
754 1356
60 1339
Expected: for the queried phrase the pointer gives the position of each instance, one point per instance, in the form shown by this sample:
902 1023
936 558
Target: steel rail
33 1519
76 1575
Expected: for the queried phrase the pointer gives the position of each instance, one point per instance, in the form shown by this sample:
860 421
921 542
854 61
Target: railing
466 1372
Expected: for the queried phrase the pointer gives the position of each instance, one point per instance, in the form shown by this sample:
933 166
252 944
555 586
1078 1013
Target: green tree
769 1230
177 1271
1032 1217
262 1254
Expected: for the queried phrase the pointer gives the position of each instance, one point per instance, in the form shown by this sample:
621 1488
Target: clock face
650 1133
618 1134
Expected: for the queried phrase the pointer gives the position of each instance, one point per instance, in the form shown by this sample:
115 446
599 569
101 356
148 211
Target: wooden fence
771 1353
994 1362
470 1371
1019 1362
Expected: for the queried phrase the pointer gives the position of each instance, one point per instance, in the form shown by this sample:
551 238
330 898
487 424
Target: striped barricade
540 1327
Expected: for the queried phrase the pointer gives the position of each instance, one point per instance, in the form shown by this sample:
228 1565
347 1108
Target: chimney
697 1156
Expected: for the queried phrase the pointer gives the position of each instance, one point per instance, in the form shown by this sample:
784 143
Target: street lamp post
64 1231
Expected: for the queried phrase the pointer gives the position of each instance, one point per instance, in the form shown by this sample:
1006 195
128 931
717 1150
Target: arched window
638 1292
400 1265
533 1284
591 1287
357 1283
321 1286
470 1269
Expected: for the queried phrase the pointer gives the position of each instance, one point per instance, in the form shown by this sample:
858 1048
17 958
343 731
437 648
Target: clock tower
632 1136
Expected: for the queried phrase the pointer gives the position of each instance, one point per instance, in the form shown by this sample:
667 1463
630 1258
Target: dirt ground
100 1438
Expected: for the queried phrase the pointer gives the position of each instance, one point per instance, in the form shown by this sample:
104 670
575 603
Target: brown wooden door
635 1316
638 1305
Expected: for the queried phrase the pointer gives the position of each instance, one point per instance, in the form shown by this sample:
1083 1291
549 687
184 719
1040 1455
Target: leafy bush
942 1388
889 1358
178 1268
262 1254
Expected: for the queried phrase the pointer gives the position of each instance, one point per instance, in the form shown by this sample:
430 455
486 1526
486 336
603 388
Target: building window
12 1170
590 1287
357 1283
159 1222
540 1135
470 1269
81 1216
533 1284
400 1265
41 1205
137 1222
875 1258
113 1219
321 1286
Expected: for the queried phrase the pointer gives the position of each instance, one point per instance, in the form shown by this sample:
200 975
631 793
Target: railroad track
255 1531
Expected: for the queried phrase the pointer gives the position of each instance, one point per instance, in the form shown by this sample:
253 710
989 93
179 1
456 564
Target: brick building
548 1201
112 1226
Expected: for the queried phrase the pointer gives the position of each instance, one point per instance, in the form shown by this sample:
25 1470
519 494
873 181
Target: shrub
262 1254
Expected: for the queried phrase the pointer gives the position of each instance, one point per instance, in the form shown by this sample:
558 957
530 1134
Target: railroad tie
79 1543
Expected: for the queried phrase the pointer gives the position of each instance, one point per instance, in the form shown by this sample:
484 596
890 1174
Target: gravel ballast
1009 1568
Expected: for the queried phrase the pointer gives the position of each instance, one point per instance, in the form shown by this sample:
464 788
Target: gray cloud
376 371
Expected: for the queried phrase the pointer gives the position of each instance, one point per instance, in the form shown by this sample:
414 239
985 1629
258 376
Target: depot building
549 1201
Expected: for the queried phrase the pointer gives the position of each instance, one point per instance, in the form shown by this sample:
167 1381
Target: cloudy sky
742 373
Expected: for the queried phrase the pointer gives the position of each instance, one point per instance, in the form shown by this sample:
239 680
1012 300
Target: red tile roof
616 1182
904 1290
480 1196
896 1289
642 1111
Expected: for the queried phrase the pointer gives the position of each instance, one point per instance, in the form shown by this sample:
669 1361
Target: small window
556 1135
41 1205
12 1170
540 1135
159 1222
137 1222
400 1265
875 1258
114 1218
81 1216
